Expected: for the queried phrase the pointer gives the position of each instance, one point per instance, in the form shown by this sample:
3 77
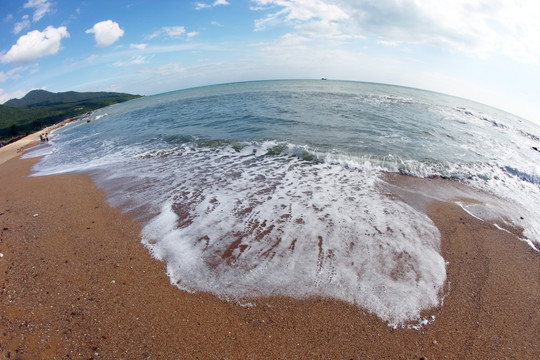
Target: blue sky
484 50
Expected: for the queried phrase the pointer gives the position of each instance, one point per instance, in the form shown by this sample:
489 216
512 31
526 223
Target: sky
483 50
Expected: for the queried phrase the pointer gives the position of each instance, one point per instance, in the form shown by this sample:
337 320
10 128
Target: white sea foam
100 116
242 224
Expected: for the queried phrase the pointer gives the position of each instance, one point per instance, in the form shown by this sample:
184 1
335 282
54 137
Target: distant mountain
46 98
40 108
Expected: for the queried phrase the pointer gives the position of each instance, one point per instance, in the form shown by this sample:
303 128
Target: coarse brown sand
76 282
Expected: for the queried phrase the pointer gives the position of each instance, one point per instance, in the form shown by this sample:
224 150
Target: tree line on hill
39 109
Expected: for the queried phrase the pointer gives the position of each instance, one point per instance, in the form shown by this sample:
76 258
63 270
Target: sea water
279 187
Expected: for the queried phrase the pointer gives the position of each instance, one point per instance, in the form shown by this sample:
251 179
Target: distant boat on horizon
324 79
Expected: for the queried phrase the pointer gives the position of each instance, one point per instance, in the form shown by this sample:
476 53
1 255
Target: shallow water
278 187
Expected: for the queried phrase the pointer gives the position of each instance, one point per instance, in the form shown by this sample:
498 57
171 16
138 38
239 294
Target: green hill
46 98
40 108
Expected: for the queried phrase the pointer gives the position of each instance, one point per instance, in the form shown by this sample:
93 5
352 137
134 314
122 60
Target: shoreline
16 148
77 282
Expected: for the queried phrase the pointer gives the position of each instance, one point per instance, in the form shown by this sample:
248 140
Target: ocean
281 187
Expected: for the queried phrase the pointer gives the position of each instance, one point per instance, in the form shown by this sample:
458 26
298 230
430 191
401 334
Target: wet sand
75 282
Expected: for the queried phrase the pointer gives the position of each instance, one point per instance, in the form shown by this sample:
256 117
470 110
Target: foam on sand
263 226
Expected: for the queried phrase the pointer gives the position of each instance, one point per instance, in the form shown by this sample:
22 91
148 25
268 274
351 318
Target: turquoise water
278 187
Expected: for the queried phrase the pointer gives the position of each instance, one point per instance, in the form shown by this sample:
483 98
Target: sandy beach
76 282
16 148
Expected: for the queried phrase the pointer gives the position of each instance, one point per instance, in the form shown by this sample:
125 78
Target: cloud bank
480 28
36 44
106 33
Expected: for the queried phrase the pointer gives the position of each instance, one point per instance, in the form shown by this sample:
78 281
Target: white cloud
153 35
287 43
41 8
169 31
36 44
138 46
14 73
135 60
200 5
192 34
480 28
296 12
8 96
174 31
21 25
92 58
106 33
166 70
